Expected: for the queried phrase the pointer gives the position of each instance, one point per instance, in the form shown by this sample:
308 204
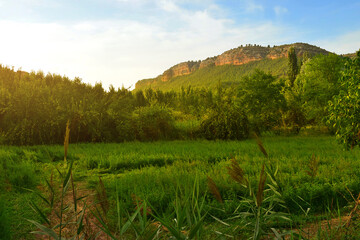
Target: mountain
228 67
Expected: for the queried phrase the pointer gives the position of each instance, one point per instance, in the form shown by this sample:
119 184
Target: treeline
34 107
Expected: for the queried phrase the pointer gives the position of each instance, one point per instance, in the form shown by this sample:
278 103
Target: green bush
153 123
226 123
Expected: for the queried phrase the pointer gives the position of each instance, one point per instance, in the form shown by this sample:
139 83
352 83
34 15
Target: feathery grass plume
260 192
261 145
313 166
214 190
101 196
66 141
236 172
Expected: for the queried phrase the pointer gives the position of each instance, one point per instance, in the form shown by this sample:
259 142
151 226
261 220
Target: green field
163 173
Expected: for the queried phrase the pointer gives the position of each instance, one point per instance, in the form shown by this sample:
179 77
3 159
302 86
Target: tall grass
156 173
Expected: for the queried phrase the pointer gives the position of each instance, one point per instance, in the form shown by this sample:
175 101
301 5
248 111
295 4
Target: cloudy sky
121 41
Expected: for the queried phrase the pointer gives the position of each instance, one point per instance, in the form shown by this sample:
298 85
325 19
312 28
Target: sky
118 42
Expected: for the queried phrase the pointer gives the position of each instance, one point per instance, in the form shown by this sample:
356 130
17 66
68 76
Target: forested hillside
230 66
35 107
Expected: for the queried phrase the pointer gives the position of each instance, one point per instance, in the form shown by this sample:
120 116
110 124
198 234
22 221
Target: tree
344 109
316 84
293 69
260 97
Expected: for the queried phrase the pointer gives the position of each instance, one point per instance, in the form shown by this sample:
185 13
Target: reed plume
236 172
261 146
66 141
214 190
261 187
101 196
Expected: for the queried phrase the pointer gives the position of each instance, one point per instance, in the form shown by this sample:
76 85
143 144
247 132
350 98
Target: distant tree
344 109
140 100
306 56
293 68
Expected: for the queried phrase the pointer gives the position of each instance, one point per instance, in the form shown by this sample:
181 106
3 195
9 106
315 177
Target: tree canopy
344 109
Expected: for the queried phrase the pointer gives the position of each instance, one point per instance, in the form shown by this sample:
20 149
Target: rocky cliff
236 56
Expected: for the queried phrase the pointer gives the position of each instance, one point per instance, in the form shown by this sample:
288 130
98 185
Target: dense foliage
35 107
345 107
317 83
260 97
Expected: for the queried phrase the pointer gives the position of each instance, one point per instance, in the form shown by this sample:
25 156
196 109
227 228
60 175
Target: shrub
153 123
226 123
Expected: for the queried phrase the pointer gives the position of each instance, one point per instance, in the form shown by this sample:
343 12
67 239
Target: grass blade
37 209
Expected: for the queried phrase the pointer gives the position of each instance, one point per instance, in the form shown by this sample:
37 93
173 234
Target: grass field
314 176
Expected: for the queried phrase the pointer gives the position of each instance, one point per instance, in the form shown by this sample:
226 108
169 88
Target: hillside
228 67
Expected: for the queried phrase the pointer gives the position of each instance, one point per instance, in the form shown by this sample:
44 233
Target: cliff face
243 55
236 56
179 70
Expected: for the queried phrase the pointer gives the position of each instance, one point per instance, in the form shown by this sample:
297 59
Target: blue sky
121 41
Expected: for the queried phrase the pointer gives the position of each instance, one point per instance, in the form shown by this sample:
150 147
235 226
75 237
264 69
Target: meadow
306 179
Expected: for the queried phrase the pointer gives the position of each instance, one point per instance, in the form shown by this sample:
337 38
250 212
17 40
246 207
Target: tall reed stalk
66 140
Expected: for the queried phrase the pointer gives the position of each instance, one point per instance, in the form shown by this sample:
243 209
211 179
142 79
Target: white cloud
280 10
121 51
168 5
346 43
252 7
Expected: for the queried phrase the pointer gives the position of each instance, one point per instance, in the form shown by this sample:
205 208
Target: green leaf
196 228
67 177
177 234
45 230
37 209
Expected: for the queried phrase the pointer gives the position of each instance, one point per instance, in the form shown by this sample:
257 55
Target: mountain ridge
241 55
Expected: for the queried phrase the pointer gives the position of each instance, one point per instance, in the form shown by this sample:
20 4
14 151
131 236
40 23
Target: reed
66 140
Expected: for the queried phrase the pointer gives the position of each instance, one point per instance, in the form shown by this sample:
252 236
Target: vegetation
229 75
317 83
293 66
344 108
148 187
166 175
34 107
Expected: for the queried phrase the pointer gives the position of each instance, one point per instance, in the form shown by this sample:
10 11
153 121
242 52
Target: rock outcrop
236 56
180 69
